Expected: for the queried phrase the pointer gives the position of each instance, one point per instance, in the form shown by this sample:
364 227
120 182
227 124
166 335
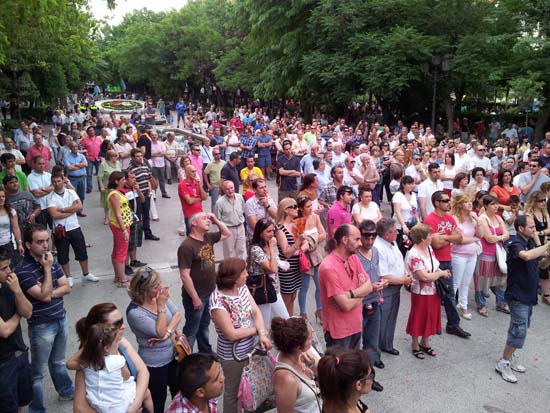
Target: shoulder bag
256 384
181 345
441 287
261 288
501 258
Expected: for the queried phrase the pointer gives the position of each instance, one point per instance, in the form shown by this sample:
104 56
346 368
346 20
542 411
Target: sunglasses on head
146 273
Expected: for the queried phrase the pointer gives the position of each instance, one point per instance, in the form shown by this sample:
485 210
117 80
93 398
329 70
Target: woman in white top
365 208
448 172
10 234
123 146
233 142
405 207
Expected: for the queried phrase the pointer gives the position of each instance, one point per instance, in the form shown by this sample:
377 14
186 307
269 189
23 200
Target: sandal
483 311
503 308
428 350
418 354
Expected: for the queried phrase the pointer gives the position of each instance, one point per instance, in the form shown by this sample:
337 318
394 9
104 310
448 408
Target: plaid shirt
181 404
248 142
328 194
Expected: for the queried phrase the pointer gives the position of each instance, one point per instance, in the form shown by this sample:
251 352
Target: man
306 163
150 113
196 159
196 262
212 176
180 108
288 166
338 156
144 141
40 185
44 284
351 176
499 158
201 381
261 205
23 140
248 170
427 188
510 131
229 209
479 160
63 205
445 232
19 158
230 171
76 166
9 168
344 284
191 195
392 270
16 377
462 159
544 156
143 177
521 292
171 156
23 202
248 146
158 151
39 149
339 213
264 144
91 144
531 181
327 197
369 258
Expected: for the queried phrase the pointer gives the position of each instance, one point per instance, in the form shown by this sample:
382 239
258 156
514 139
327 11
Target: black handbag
261 288
441 287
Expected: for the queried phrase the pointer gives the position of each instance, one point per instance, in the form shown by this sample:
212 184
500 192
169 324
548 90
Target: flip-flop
428 350
418 354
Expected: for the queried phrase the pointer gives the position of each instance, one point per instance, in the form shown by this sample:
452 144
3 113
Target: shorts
75 239
15 383
120 246
264 160
136 236
520 320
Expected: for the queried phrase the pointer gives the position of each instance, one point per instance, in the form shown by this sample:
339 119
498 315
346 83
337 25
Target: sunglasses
369 376
293 206
118 323
368 234
146 273
444 200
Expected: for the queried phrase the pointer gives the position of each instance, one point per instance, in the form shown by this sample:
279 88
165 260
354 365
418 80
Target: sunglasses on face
367 377
293 206
444 200
368 234
118 323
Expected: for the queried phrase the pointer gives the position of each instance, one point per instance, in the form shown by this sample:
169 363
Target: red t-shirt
444 225
192 189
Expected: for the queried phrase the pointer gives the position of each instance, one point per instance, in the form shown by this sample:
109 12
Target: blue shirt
523 276
267 150
248 142
73 158
180 107
372 270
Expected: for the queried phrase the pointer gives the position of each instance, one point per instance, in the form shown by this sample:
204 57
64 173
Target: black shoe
128 270
152 237
379 364
88 191
137 263
457 331
166 196
393 352
377 386
169 182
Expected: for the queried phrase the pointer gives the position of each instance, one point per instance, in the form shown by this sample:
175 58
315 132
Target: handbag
257 381
181 345
59 232
501 258
441 287
261 288
305 265
154 183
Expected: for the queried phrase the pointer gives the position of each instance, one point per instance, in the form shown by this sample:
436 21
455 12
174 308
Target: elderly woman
365 208
425 314
109 165
107 313
294 380
239 325
460 184
124 146
478 182
153 317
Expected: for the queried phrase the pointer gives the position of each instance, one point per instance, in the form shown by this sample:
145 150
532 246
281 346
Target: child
109 385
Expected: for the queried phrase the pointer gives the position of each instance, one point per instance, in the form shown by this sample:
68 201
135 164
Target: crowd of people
457 210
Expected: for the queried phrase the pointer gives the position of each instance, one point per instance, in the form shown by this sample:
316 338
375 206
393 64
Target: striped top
143 175
240 312
30 273
290 280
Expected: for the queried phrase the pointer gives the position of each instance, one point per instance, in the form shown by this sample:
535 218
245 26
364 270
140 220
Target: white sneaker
516 366
71 282
90 277
463 313
506 372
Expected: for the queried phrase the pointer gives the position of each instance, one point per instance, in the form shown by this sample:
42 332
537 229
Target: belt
233 226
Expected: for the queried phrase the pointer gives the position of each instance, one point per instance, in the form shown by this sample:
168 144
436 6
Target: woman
106 145
464 255
153 317
365 208
460 184
425 315
238 322
478 182
433 155
313 228
503 190
376 159
345 375
309 188
487 274
107 313
536 209
405 207
109 165
120 220
294 379
184 161
448 172
124 146
291 280
10 234
263 258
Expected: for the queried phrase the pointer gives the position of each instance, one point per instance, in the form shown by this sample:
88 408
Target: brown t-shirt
199 257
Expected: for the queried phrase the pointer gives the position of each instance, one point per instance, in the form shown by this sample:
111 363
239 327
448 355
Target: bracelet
161 311
19 241
351 294
169 331
262 333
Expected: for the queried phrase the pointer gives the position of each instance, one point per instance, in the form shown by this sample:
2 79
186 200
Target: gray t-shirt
371 268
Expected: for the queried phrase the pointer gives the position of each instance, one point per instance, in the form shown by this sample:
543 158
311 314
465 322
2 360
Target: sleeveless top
125 211
487 248
308 401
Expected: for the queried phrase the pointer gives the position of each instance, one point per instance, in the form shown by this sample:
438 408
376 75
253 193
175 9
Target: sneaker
463 313
516 366
503 368
71 283
137 263
90 277
66 398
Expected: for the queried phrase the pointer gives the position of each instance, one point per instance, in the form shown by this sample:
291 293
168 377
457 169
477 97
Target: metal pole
434 98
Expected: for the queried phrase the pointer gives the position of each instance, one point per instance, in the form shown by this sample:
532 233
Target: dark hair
9 178
341 232
459 177
114 179
432 166
301 202
58 170
105 145
193 372
514 199
97 314
333 170
489 199
500 179
260 227
98 338
362 189
5 253
289 334
436 196
257 182
451 155
134 152
367 225
307 181
229 272
234 155
404 181
5 157
521 221
316 163
337 372
56 176
342 190
31 229
476 170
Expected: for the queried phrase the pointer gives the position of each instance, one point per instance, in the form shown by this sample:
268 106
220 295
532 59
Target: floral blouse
415 262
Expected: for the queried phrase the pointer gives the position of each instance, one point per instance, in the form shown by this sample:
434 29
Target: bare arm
345 301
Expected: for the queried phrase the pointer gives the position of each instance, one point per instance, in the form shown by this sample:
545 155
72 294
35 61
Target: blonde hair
456 206
281 209
532 202
143 282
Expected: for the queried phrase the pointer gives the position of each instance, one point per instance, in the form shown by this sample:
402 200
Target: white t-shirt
64 200
426 189
408 209
366 213
5 228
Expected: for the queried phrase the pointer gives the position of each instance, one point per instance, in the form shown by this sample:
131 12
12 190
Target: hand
133 408
102 190
272 243
378 286
46 260
265 343
406 229
163 295
21 249
264 202
210 187
125 235
136 187
408 279
155 340
13 283
197 303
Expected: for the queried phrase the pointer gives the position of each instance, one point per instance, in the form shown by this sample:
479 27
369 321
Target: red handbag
305 265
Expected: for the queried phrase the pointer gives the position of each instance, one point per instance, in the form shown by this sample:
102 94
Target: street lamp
438 69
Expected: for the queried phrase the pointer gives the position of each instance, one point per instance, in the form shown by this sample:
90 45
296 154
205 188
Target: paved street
460 379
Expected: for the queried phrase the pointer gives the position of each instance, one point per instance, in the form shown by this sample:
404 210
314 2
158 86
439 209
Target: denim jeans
89 174
453 319
481 298
214 194
79 183
197 323
520 320
371 333
302 294
48 345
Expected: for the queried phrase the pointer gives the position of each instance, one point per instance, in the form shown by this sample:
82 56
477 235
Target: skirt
425 315
488 275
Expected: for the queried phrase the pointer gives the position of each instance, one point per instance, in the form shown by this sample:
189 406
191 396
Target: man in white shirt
63 204
338 156
479 160
462 159
351 176
427 188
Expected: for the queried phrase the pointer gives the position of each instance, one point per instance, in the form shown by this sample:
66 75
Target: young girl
109 385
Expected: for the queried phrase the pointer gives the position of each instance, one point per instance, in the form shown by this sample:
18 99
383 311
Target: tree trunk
449 113
542 121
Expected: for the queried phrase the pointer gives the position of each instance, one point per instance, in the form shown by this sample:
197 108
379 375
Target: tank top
308 401
125 211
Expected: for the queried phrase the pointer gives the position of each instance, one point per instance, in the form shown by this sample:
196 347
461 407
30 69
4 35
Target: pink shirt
335 280
44 152
337 215
92 146
158 161
197 162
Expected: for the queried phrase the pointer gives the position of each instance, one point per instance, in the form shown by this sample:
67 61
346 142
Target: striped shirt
143 175
240 312
30 272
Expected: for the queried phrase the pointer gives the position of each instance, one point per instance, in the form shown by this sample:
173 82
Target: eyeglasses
541 200
444 200
292 206
533 166
369 376
368 234
351 161
417 159
196 149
